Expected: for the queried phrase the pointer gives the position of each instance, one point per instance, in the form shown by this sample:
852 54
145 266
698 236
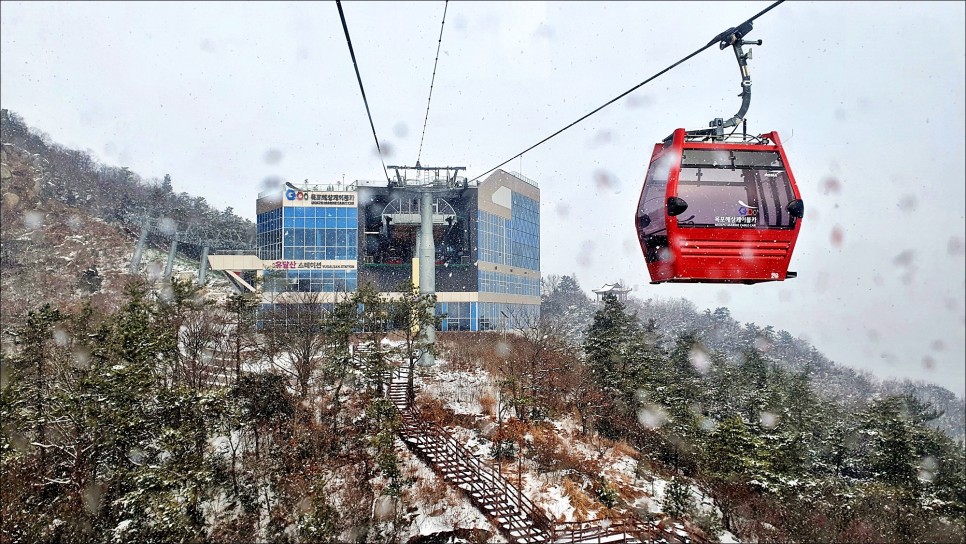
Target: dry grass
487 404
626 491
432 492
484 350
582 502
624 449
435 411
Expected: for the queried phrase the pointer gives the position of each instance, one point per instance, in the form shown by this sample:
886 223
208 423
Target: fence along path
503 503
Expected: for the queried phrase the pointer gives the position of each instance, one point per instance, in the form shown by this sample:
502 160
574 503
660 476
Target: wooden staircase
517 518
500 501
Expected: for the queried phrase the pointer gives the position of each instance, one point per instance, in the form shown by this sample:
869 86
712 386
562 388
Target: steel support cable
716 39
431 81
362 89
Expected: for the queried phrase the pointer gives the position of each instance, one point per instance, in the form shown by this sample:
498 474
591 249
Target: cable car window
734 189
730 158
651 222
776 193
652 200
763 159
707 157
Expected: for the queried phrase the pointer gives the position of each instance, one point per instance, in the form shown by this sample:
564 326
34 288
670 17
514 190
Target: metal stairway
504 504
517 518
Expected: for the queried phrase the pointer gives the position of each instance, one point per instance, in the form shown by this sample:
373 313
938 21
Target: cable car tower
426 181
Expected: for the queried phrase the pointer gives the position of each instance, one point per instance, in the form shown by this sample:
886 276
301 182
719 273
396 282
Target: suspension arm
733 38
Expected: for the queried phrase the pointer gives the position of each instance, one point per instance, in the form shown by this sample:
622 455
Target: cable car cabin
719 211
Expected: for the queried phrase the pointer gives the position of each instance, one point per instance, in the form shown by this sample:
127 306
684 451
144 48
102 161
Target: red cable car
723 211
719 210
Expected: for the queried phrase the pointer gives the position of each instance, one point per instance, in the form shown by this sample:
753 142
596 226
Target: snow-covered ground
153 262
641 489
441 507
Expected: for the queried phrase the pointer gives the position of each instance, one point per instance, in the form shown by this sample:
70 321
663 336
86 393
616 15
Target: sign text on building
315 265
294 197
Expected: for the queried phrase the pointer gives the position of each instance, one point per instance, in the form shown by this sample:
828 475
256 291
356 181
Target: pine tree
607 350
606 346
678 502
242 311
891 456
412 313
735 452
31 373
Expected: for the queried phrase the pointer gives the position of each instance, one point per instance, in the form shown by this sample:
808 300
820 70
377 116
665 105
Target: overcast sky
867 97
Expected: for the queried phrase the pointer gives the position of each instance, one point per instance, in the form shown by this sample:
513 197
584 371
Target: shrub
710 522
677 499
606 494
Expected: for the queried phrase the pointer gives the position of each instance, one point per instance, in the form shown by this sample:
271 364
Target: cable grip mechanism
734 38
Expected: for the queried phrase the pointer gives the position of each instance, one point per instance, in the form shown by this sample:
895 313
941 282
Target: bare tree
242 333
295 340
201 340
537 358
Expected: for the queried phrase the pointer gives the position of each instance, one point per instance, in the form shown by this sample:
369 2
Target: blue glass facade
496 282
269 232
459 316
303 238
320 233
283 314
485 316
513 242
318 281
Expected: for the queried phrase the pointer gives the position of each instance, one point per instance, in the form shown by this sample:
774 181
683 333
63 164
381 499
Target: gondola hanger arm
734 38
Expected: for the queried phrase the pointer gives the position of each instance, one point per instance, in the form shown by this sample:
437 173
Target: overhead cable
716 39
355 65
431 81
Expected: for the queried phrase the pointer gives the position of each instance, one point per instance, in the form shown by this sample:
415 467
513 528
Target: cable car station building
328 240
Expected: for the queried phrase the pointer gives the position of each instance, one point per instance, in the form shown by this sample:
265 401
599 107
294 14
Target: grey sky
868 98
